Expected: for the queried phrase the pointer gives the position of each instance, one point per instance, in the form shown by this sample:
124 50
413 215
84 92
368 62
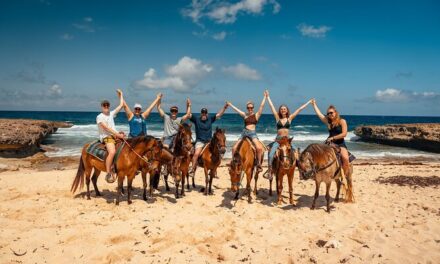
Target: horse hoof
194 186
337 200
279 202
129 202
117 203
312 208
211 193
88 197
167 189
292 202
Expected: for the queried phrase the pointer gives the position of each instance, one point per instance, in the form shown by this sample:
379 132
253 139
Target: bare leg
111 149
195 161
345 161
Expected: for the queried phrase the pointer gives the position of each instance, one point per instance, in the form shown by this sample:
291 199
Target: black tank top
281 126
334 131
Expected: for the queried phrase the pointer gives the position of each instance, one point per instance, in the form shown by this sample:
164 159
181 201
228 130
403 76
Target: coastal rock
424 137
22 137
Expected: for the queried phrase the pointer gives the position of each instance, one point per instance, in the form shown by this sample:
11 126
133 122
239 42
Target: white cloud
184 75
66 36
86 25
242 71
223 12
391 95
219 36
312 31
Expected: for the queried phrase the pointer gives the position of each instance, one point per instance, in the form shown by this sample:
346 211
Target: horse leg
317 184
206 181
88 184
119 188
193 184
212 174
290 181
187 181
248 184
144 184
167 187
183 184
95 180
255 188
280 189
270 187
338 189
129 188
327 195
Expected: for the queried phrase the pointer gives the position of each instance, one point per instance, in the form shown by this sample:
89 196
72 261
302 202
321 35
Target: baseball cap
204 111
137 105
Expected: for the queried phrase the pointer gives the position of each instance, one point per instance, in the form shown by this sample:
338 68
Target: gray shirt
170 126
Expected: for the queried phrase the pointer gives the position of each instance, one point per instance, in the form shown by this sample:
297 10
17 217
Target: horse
284 163
182 157
211 158
127 165
244 161
153 169
319 161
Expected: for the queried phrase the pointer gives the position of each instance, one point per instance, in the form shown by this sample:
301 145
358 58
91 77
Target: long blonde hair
337 118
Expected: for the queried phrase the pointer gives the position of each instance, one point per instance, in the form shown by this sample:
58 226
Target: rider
284 122
137 119
250 122
108 134
337 128
171 122
203 128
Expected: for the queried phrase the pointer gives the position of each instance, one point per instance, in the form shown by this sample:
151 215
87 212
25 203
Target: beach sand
41 219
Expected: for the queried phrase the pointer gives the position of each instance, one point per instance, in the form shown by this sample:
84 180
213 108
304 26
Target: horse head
184 136
220 138
306 165
235 171
285 153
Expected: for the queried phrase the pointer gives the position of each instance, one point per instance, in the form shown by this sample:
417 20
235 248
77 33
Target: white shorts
199 144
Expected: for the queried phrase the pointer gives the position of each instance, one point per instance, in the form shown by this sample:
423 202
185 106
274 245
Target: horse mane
136 140
321 153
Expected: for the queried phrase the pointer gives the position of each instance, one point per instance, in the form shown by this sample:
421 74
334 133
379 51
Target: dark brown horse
153 169
212 157
127 165
284 163
243 162
182 157
319 161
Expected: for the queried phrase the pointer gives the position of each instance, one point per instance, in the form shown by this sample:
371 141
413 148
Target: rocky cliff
417 136
22 137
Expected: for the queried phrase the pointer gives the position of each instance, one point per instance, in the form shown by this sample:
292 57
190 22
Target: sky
365 57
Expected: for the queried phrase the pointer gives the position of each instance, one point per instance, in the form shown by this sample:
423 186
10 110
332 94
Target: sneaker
110 178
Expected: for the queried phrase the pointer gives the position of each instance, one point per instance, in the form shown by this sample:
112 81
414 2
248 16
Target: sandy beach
42 222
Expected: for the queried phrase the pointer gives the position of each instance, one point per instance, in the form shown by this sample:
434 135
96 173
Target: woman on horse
108 133
284 121
137 119
337 129
171 122
250 121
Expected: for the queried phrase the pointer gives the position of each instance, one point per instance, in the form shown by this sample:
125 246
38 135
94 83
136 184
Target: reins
132 149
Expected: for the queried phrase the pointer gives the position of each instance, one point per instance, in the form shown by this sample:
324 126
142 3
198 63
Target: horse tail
79 178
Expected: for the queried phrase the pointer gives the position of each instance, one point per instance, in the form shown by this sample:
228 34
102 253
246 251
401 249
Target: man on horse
108 134
203 127
171 122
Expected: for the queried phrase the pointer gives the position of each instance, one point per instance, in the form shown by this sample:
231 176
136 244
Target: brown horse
211 158
153 169
127 165
284 163
244 161
319 161
182 157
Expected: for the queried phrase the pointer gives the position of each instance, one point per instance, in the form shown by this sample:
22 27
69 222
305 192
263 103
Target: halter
316 169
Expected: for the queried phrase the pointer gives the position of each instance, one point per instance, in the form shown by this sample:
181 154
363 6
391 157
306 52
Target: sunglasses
137 109
250 107
330 113
106 105
173 111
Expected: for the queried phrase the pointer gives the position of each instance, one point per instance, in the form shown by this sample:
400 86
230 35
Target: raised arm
297 111
159 108
147 112
222 111
260 109
128 111
241 113
272 107
188 110
121 102
318 112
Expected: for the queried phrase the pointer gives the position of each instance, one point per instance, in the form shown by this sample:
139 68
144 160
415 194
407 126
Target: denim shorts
249 133
168 140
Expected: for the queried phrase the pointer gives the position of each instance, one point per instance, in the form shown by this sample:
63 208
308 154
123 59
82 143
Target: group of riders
137 121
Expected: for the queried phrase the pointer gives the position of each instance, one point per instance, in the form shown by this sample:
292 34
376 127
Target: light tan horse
243 162
319 161
127 165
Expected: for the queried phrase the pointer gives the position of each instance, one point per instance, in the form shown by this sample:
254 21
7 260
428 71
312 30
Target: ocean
307 129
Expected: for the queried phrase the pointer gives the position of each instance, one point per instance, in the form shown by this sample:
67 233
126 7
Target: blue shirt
138 126
203 128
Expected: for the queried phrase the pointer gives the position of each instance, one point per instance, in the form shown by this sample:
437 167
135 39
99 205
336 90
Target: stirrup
110 178
191 173
267 174
259 168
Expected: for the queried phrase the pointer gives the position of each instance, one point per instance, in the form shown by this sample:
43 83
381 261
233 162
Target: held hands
313 101
159 95
266 93
119 92
188 102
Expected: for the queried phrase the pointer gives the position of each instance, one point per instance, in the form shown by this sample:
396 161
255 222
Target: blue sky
366 57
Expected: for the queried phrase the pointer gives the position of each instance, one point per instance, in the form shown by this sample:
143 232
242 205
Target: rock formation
424 137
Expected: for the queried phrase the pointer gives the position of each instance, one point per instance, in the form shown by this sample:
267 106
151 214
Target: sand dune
387 224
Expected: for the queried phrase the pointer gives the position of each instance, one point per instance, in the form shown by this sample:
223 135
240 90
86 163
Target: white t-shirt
109 121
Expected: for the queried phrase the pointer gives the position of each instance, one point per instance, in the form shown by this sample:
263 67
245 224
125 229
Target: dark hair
103 102
279 111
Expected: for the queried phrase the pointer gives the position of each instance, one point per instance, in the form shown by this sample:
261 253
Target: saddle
337 150
97 149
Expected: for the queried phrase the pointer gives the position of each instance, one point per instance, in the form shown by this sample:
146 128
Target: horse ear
216 129
290 140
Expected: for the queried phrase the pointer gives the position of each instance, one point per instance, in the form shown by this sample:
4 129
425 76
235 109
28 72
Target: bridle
290 158
144 158
315 169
